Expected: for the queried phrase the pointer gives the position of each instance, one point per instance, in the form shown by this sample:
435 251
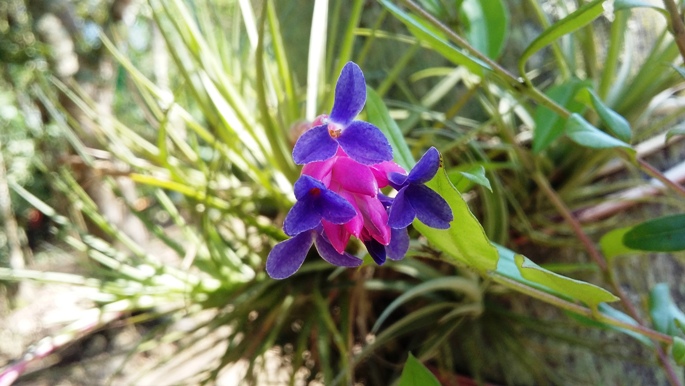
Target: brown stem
677 25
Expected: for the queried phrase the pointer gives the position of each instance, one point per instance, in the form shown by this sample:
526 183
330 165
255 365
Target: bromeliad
346 163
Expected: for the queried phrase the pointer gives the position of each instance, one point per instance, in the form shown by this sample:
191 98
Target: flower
416 200
346 163
314 203
362 141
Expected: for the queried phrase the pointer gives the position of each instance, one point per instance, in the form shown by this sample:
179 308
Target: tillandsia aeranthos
346 163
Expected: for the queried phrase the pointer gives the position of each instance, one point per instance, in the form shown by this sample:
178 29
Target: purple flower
347 162
416 200
314 203
362 141
287 256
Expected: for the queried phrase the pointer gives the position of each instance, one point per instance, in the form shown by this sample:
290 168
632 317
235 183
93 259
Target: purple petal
365 143
399 244
335 208
354 177
303 216
401 212
376 250
287 256
397 180
314 145
350 95
425 169
305 184
431 209
332 256
385 200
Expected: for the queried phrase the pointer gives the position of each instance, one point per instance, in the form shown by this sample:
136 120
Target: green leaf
477 176
487 24
587 293
583 133
519 268
549 125
678 130
416 374
435 39
465 241
378 114
620 5
613 120
573 22
664 311
664 234
612 245
678 350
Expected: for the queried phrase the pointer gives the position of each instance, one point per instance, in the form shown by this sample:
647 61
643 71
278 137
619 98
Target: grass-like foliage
547 117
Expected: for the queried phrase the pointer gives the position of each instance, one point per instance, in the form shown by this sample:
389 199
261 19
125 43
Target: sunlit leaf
465 241
664 311
486 25
664 234
416 374
583 133
573 22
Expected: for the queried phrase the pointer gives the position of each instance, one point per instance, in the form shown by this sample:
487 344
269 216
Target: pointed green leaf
486 25
583 133
378 114
664 311
587 293
573 22
465 241
613 120
549 125
416 374
664 234
477 176
435 39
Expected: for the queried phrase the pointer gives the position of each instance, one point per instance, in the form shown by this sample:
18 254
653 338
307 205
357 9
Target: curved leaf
435 39
573 22
416 374
583 133
549 125
663 310
664 234
465 241
487 24
587 293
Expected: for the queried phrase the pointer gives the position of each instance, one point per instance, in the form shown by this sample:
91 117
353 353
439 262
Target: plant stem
578 309
601 262
677 26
